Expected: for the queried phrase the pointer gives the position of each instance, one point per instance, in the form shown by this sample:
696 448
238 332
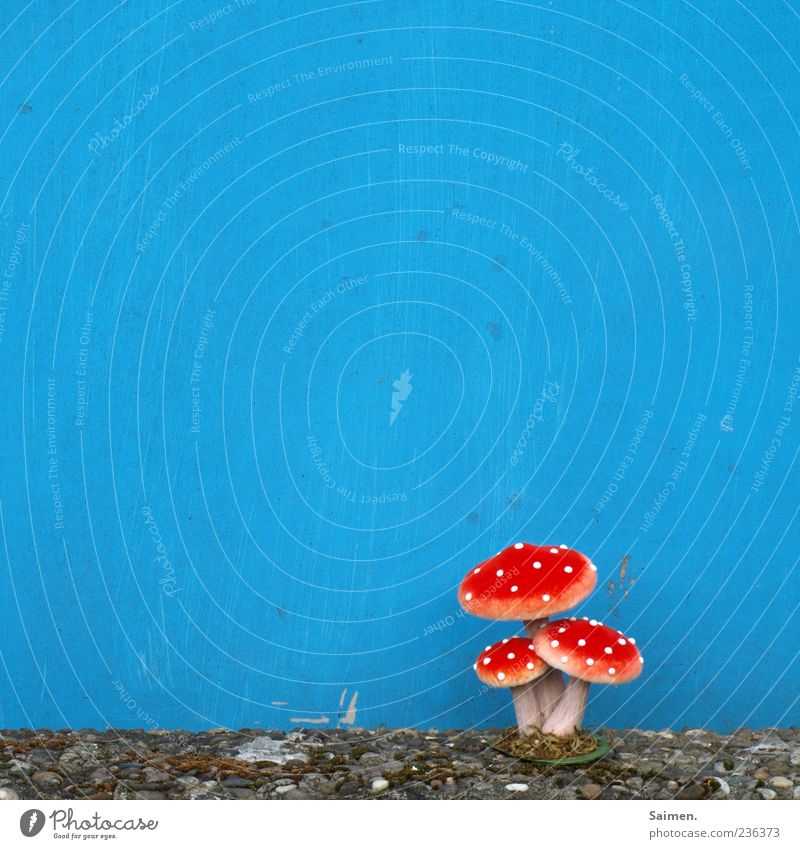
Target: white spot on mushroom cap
568 569
475 666
553 551
621 641
611 670
514 588
564 658
608 650
511 655
487 661
562 545
530 646
641 659
530 664
505 641
561 630
537 564
545 597
468 597
499 573
554 644
593 622
487 648
593 567
501 676
581 642
476 570
589 661
518 545
632 641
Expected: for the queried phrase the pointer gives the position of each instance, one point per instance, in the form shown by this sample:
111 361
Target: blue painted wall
227 231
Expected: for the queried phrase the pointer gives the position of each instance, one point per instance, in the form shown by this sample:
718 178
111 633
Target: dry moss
540 746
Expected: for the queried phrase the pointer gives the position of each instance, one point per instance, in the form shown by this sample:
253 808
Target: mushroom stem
533 626
527 708
567 716
549 689
551 685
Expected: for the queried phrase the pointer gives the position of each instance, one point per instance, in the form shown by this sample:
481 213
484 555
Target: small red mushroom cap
509 663
590 650
527 581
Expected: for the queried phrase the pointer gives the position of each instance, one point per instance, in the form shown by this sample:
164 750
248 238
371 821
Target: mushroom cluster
533 583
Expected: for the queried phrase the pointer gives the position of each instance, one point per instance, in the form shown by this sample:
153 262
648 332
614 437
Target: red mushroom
530 582
514 663
590 653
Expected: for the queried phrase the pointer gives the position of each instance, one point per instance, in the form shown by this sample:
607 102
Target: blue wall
220 250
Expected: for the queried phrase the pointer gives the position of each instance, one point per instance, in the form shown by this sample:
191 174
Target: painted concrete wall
306 312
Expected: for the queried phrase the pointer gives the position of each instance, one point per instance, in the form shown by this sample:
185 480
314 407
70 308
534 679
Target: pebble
722 788
692 792
348 788
780 782
393 768
236 781
517 788
761 774
379 785
766 793
46 778
591 791
285 788
8 793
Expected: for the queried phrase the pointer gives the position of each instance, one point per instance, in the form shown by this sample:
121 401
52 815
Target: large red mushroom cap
589 650
527 581
509 663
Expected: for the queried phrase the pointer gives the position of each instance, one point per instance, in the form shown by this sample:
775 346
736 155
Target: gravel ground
398 764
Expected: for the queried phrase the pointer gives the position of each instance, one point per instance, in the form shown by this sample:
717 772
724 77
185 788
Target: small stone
722 788
780 782
285 788
766 793
328 788
796 792
236 781
761 774
8 793
150 794
46 778
636 782
591 791
794 758
673 786
242 793
294 793
393 768
379 785
155 776
348 788
517 787
370 759
691 792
